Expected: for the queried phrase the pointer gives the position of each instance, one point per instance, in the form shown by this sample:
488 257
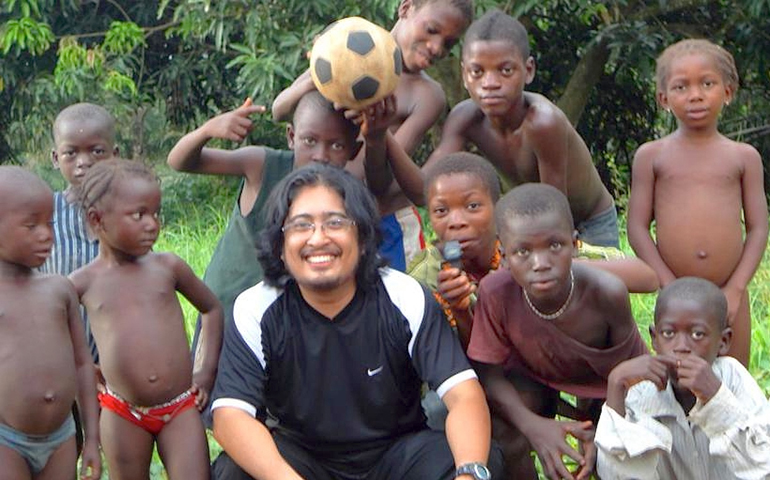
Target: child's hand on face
455 287
91 464
696 375
233 125
644 367
201 397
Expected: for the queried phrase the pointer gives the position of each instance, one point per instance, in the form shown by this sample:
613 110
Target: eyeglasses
330 226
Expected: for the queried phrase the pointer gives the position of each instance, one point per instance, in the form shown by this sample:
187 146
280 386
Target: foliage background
164 66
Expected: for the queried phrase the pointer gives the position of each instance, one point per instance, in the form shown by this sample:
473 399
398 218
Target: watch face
481 472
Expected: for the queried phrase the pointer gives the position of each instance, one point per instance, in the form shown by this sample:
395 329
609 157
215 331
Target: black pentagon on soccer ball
323 70
365 87
397 62
360 42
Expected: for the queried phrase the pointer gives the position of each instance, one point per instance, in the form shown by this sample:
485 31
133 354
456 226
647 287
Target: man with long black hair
335 347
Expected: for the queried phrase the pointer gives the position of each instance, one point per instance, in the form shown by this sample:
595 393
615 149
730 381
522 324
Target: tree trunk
585 76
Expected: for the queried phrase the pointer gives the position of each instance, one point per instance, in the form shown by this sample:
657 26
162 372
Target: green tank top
234 266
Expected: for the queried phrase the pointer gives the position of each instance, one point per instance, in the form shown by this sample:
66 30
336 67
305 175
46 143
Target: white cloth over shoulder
727 438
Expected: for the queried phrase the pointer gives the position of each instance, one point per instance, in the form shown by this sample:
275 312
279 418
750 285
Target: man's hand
696 375
548 439
380 116
455 287
233 125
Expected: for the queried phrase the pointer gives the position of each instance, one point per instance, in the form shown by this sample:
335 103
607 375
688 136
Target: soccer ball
355 63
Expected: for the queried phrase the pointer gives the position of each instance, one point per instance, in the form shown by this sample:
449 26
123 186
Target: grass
194 237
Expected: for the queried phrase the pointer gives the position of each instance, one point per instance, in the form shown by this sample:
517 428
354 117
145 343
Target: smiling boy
684 413
528 138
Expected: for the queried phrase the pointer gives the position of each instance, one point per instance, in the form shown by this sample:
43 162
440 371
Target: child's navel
49 397
702 254
152 378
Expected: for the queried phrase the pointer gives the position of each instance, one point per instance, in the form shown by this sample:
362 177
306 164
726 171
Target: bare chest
702 170
407 99
31 311
710 186
510 153
122 291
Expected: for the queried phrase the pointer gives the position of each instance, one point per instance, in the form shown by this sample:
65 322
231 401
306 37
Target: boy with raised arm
152 390
546 325
318 133
425 31
45 361
528 138
685 414
699 187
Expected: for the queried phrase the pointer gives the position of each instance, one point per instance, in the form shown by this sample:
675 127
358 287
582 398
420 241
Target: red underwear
152 419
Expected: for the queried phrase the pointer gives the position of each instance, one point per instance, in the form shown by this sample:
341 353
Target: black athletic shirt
352 383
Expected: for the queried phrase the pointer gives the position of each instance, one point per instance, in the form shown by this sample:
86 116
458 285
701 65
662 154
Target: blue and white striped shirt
73 248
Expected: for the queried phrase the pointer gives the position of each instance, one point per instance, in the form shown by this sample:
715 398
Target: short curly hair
17 181
497 25
699 290
359 204
723 60
83 113
465 163
531 200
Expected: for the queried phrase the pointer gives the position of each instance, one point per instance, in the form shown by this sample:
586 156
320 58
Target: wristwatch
477 470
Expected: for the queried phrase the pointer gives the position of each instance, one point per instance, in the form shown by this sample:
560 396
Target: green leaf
242 48
26 34
123 38
121 84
